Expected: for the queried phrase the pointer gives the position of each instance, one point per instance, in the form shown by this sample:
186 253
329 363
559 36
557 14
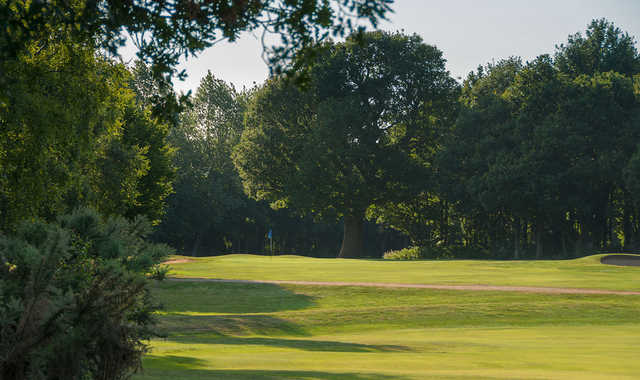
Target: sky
469 32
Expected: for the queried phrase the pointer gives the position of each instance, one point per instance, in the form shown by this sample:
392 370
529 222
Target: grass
266 331
586 272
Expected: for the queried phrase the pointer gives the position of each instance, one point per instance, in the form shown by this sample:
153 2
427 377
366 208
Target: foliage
136 171
59 111
361 135
540 154
436 253
208 192
74 297
209 212
74 135
409 253
166 31
603 48
156 94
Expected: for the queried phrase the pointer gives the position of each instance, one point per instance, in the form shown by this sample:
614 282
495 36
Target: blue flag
269 233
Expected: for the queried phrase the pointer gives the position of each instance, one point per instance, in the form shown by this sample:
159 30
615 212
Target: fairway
269 331
586 272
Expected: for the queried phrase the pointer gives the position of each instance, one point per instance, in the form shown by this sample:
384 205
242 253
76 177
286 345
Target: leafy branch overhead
166 31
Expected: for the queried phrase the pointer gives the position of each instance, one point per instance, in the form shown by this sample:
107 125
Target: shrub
410 253
74 297
436 252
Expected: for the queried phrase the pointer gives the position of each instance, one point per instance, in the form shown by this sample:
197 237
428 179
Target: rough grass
265 331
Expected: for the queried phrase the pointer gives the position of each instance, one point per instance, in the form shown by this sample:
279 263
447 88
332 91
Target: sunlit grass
551 352
585 272
267 331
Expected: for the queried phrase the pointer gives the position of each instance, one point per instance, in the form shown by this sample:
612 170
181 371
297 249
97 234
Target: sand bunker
624 260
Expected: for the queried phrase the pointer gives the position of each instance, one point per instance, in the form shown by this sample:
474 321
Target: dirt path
526 289
176 261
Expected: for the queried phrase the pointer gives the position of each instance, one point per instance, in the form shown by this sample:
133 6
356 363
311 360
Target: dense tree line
524 159
542 159
209 212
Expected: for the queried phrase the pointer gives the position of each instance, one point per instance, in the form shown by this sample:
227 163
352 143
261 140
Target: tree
601 116
156 94
208 191
136 172
603 48
208 213
478 169
74 135
59 113
541 151
361 135
435 218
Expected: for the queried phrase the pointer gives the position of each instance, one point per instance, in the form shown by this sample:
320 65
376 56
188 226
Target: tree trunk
626 226
579 252
196 245
385 241
516 243
352 245
539 249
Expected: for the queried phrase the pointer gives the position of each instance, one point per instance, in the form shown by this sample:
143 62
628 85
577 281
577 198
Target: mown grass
586 272
266 331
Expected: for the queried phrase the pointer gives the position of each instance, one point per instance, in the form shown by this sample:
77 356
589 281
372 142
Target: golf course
295 317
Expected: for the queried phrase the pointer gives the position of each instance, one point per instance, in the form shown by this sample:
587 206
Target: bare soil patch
177 261
527 289
622 260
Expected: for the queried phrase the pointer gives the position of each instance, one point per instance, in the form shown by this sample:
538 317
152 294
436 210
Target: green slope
586 272
264 331
267 331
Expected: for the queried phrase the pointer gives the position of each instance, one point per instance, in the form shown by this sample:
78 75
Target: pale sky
468 32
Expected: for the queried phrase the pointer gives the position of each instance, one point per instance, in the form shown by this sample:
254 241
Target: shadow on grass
300 344
222 325
216 297
172 362
172 367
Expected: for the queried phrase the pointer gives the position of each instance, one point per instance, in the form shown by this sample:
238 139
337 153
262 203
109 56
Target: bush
410 253
74 298
436 252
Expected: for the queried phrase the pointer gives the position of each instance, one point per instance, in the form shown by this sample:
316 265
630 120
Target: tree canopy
603 48
541 148
207 189
73 134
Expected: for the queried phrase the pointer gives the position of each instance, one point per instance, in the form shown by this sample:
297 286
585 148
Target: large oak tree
360 135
